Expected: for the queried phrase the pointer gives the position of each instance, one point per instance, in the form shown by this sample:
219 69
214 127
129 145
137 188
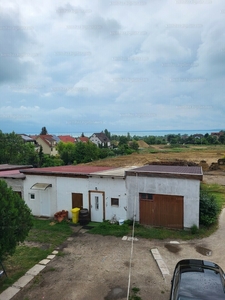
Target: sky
120 65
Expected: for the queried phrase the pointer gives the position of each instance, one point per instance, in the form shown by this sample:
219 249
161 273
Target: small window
149 196
114 202
146 196
96 202
32 196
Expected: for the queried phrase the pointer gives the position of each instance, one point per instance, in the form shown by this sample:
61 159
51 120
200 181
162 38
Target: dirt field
193 154
97 268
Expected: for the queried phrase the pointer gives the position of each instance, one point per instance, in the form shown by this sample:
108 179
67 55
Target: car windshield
200 283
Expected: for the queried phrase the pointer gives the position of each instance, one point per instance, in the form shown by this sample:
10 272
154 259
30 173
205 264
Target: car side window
176 283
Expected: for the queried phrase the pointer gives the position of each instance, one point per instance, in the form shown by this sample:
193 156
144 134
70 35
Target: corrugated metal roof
170 169
71 169
5 167
148 170
12 174
115 172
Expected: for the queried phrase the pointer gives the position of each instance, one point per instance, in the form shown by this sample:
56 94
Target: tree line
13 150
195 139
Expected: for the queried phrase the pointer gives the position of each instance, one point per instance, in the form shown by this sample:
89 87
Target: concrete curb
10 292
161 264
126 238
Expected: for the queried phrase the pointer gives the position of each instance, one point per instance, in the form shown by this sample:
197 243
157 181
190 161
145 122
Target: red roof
11 174
33 136
67 138
71 170
83 139
47 138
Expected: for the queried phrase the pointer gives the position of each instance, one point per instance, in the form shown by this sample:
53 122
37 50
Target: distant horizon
135 132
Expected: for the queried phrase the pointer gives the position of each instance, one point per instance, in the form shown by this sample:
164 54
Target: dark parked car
197 279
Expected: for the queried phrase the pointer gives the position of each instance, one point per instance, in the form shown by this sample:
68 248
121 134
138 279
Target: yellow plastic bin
75 214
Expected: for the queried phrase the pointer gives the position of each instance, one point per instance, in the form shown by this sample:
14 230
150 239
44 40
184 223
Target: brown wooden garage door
161 210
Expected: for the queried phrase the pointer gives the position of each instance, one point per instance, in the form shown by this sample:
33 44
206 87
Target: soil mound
142 144
176 162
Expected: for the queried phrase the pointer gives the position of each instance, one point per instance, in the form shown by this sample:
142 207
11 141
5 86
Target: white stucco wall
127 191
66 186
187 188
60 194
15 184
42 197
113 188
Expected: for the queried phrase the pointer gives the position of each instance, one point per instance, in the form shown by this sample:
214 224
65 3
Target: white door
97 207
45 204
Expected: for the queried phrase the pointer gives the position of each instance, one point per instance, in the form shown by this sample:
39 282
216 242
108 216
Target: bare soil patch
95 267
206 155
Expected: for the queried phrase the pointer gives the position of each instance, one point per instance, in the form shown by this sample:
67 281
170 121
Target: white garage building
157 195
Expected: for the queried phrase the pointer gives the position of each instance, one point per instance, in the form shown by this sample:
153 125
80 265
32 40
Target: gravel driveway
94 267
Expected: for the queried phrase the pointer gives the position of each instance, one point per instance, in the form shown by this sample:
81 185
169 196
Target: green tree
86 152
123 140
15 221
51 161
43 131
107 133
13 150
128 136
67 152
222 138
79 152
91 152
40 157
134 145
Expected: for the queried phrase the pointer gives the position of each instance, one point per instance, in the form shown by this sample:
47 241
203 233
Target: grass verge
47 235
106 228
148 232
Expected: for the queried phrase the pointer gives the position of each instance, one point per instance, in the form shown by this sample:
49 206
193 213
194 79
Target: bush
208 209
15 222
194 229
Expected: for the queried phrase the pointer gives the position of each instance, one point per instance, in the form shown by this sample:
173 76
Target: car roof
200 279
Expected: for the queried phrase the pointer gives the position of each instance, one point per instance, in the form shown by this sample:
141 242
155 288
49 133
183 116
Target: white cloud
157 65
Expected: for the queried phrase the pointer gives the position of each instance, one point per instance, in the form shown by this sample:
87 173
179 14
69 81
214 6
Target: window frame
147 196
32 196
117 200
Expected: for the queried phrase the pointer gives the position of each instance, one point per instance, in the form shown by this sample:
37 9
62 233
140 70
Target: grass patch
43 232
148 232
106 228
48 232
134 294
17 265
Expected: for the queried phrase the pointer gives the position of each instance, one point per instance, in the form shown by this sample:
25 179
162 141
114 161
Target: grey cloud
15 54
